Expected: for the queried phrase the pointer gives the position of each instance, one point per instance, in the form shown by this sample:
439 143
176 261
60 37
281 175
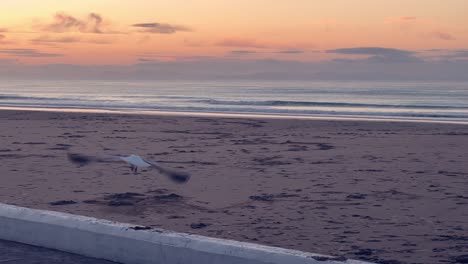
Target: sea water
401 100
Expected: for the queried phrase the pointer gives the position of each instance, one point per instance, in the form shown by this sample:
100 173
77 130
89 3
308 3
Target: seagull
134 161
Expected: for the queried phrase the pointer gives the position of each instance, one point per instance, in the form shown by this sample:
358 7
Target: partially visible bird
134 161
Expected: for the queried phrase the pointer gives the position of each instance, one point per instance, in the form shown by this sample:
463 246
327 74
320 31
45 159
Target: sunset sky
128 31
134 32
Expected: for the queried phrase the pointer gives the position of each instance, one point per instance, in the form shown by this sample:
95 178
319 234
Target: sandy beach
389 192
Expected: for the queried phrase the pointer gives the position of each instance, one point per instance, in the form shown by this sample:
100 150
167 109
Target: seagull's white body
136 161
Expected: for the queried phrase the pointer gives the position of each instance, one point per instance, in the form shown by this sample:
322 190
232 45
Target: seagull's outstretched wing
175 176
82 160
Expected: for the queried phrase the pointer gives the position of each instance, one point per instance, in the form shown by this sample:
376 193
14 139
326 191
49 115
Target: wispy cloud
249 52
161 28
371 51
291 51
442 35
401 20
419 26
242 52
28 53
437 50
241 43
261 47
444 55
3 30
50 40
157 58
63 22
453 54
341 60
462 53
405 23
379 54
243 68
4 39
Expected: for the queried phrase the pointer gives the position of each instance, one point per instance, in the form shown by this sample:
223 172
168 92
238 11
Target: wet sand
389 192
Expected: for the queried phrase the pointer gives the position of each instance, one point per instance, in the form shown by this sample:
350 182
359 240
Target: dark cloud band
371 51
161 28
28 53
380 54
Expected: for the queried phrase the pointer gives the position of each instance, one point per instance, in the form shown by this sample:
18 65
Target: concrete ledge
122 243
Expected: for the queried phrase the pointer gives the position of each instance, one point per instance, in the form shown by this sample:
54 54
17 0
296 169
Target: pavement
16 253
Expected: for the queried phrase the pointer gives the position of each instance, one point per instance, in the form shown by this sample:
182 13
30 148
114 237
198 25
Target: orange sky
101 31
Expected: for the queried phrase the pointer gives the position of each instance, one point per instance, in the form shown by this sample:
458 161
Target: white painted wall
118 242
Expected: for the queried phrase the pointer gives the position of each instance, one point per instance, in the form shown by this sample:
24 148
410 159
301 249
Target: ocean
429 101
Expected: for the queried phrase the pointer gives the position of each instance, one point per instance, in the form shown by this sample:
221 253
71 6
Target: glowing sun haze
125 32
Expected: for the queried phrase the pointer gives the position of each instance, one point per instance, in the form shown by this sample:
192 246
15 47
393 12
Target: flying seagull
134 161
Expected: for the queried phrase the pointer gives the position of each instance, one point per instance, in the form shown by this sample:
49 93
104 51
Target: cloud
437 50
287 51
48 39
241 43
405 23
4 40
161 28
446 55
413 24
461 53
401 20
379 54
371 51
28 53
95 22
442 35
393 59
454 55
63 22
155 58
291 51
245 44
341 60
3 30
242 52
242 69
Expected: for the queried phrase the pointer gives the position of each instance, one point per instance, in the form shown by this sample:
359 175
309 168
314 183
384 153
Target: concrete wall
119 242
